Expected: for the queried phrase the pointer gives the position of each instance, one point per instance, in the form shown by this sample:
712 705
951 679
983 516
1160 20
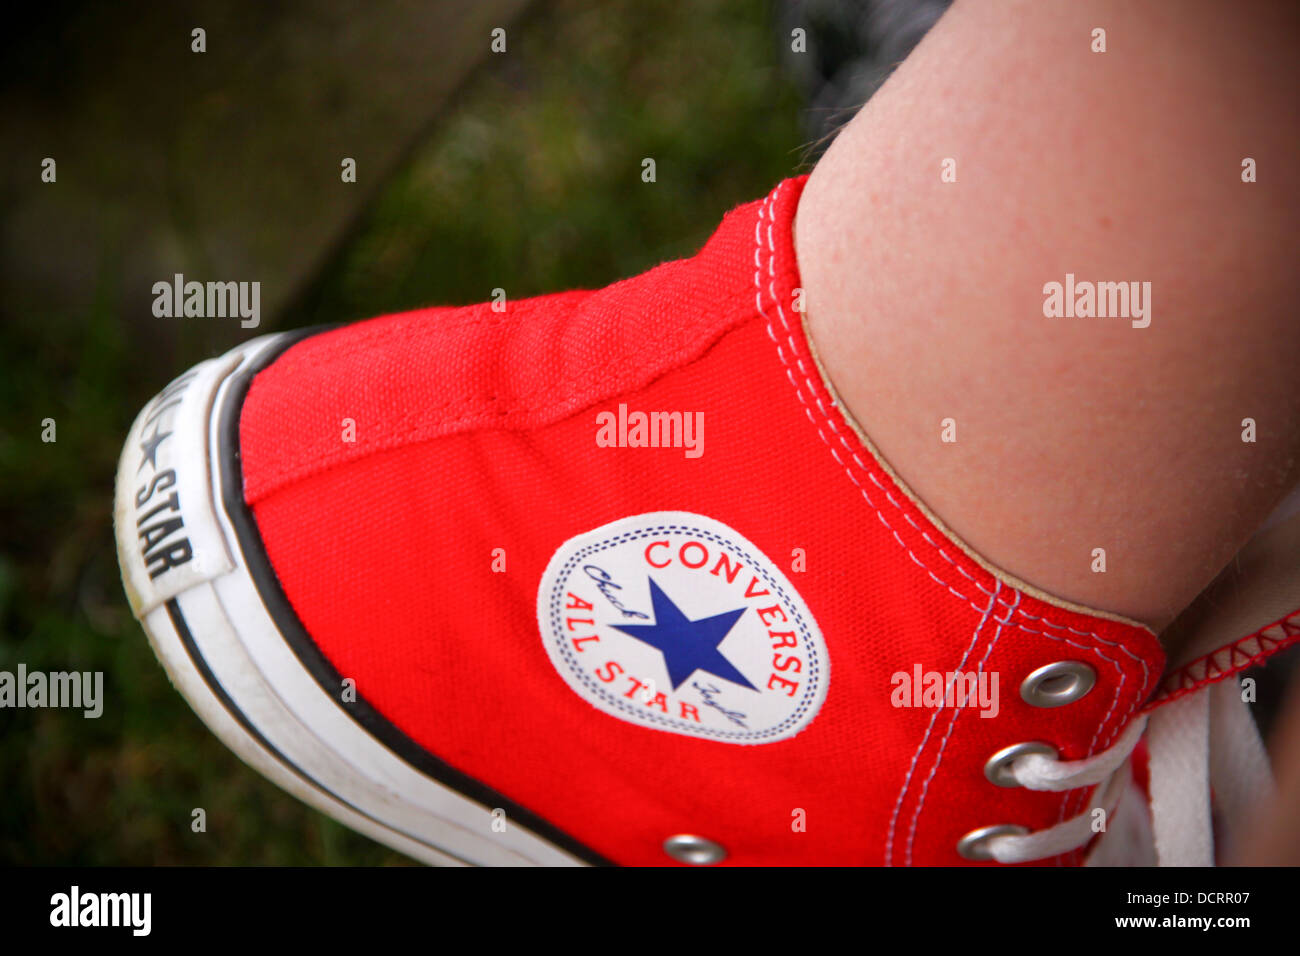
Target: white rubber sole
191 585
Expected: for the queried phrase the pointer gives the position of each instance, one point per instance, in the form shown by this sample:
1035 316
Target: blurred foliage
530 181
533 181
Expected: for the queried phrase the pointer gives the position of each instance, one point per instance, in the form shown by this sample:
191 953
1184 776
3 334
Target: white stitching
907 779
952 721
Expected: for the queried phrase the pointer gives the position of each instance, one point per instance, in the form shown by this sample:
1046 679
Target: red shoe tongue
1249 613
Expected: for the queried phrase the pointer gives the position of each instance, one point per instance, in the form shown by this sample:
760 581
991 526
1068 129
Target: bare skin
1074 433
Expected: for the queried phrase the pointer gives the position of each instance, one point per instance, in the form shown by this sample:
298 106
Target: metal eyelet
998 768
695 850
1055 685
974 845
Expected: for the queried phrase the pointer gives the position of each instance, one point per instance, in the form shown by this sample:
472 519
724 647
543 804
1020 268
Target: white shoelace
1205 741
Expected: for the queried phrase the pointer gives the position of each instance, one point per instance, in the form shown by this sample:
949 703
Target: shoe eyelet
1058 684
998 768
975 845
695 850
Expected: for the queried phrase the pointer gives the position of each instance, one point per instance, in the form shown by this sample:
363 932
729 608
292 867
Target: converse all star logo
163 541
674 621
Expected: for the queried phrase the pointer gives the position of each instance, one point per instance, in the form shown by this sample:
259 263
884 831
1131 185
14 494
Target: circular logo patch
674 621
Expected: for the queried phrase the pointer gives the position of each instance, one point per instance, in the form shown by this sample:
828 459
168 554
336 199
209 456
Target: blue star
687 646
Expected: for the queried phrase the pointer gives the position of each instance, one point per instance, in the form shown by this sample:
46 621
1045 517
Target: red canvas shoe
610 577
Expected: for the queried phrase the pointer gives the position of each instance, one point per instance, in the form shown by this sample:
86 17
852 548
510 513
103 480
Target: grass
531 182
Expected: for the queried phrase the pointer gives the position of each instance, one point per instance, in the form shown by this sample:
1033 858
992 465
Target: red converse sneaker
610 577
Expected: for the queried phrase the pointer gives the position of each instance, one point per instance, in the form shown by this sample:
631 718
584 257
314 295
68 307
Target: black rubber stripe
201 665
313 659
